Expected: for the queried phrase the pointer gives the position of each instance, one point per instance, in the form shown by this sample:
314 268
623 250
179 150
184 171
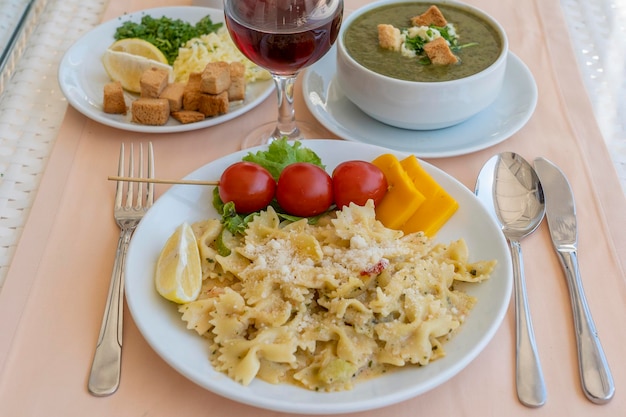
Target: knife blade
595 375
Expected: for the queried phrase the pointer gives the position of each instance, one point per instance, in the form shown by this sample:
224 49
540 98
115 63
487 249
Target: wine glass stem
286 125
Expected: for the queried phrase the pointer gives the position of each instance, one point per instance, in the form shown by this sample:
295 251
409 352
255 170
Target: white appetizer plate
161 324
82 76
509 113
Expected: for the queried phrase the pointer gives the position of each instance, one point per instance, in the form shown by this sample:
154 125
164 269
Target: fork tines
149 198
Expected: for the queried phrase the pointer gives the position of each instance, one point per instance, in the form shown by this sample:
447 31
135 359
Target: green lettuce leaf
234 222
282 153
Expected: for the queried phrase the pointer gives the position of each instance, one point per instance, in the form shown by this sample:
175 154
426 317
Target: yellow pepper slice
438 206
402 198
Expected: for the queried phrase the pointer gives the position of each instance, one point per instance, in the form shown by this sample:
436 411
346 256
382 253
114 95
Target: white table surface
32 106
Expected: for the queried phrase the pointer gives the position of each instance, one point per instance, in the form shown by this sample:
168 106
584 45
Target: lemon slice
178 275
127 68
136 46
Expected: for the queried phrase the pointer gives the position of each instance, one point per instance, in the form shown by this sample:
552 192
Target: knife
595 375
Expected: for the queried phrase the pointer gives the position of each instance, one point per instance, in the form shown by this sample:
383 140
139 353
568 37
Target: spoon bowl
510 189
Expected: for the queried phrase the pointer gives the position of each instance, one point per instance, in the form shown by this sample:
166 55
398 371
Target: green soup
361 41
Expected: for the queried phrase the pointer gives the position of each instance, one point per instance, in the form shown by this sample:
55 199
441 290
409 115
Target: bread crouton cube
153 81
174 94
237 89
215 78
191 94
151 111
432 16
213 104
113 101
439 52
188 116
389 37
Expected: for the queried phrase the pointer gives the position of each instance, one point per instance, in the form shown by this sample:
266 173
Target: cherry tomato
304 189
357 182
250 186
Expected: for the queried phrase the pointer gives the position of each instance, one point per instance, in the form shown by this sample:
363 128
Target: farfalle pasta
323 306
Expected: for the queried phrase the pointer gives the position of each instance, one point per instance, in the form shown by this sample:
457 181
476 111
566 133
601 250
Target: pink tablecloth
54 294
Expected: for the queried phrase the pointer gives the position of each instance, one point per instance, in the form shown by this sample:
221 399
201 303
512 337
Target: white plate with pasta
160 323
82 76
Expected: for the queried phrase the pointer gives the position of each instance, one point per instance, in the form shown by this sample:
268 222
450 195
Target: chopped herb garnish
166 33
415 41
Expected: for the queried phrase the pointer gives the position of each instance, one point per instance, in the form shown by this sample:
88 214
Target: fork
104 377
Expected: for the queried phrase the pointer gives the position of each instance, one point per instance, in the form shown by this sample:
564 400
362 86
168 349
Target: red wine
301 38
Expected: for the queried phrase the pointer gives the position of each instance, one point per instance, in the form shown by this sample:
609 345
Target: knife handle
595 375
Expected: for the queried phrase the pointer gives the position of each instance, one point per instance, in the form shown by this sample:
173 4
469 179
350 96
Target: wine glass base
266 133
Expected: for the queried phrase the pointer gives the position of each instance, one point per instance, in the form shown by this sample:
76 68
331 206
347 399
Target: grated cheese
213 47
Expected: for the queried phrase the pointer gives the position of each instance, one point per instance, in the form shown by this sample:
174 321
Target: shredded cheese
213 47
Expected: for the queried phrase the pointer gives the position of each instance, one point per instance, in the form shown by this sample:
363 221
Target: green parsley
166 33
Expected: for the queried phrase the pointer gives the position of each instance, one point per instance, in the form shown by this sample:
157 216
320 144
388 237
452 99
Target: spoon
509 188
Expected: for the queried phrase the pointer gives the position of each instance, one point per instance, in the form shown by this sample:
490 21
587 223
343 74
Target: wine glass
283 36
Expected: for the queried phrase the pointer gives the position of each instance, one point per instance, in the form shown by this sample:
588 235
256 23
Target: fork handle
104 378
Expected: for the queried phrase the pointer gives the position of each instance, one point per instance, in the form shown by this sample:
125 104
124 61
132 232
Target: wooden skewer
162 181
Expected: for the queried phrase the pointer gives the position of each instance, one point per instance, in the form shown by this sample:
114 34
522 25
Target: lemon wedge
178 275
127 68
136 46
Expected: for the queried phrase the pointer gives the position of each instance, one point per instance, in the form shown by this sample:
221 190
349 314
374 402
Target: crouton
237 89
191 94
188 116
153 81
213 104
113 101
151 111
174 94
389 37
439 52
215 78
432 16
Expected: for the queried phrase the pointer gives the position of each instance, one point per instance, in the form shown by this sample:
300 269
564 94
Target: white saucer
509 113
